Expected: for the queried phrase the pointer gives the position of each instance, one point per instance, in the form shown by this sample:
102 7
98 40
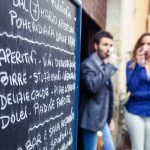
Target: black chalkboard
38 74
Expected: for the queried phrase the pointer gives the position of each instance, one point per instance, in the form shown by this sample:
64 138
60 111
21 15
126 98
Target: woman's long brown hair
137 45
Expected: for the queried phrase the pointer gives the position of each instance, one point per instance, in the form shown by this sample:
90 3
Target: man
96 94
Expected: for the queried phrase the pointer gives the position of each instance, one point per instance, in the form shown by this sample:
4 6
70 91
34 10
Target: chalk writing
44 108
34 142
65 63
46 121
59 138
61 38
13 118
47 60
63 25
61 7
48 15
34 9
68 119
22 23
36 42
13 79
54 129
69 76
16 57
20 4
22 97
66 145
62 101
37 74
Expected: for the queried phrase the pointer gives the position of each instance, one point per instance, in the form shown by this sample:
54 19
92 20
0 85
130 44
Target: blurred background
126 20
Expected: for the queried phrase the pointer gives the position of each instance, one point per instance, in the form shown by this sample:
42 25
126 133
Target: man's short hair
101 34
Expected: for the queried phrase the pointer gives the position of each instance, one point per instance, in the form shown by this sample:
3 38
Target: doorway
89 28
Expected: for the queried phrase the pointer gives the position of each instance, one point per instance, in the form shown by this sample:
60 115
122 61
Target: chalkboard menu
38 74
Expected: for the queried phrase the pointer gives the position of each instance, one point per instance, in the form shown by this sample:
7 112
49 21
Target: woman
137 113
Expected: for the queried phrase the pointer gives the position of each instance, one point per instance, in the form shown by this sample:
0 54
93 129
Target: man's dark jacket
96 93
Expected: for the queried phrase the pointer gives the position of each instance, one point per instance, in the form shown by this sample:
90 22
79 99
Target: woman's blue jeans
139 130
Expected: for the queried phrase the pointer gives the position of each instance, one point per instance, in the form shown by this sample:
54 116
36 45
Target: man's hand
113 59
112 125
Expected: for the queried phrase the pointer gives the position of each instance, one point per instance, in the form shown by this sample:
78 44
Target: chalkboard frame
78 10
78 5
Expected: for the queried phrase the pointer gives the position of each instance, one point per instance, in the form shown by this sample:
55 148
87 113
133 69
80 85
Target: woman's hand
140 56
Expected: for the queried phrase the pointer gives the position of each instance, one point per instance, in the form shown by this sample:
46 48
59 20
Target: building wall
113 26
96 9
141 14
126 20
